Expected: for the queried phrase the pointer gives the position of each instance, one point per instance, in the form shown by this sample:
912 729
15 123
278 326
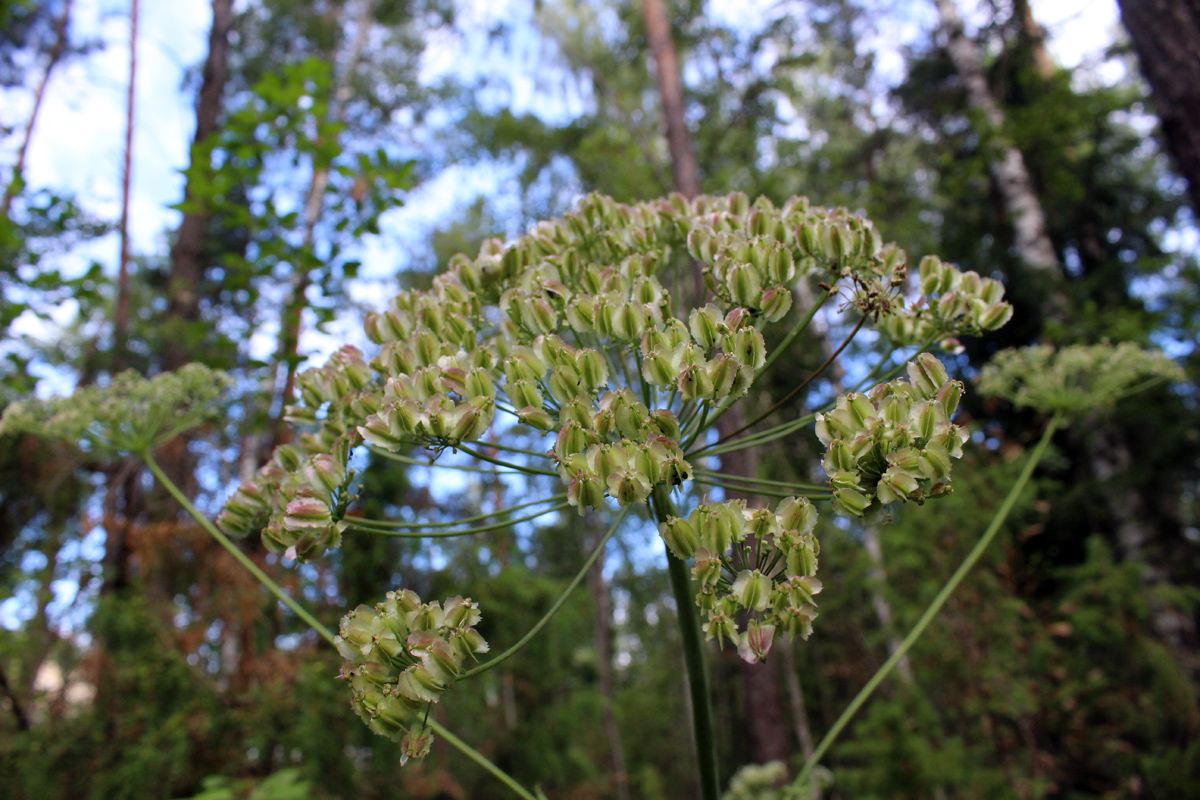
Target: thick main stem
935 606
693 657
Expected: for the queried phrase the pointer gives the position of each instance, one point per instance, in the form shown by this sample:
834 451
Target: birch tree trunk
602 606
1007 165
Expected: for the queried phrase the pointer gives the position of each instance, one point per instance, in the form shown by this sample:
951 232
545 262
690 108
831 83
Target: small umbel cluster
755 565
131 414
401 656
952 303
1076 380
894 443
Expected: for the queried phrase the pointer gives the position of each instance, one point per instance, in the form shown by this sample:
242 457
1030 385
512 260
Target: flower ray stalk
365 526
934 607
312 622
383 523
541 623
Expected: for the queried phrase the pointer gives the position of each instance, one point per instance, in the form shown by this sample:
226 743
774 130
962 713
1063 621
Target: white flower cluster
1075 380
131 414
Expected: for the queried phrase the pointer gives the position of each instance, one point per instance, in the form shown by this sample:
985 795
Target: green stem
481 760
799 328
794 487
729 485
385 523
498 462
541 623
416 462
936 606
303 614
234 550
693 657
370 526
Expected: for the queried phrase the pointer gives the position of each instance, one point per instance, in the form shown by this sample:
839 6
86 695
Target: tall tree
191 251
1166 35
1008 168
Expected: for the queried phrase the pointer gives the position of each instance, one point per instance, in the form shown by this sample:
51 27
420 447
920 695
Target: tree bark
121 315
189 254
293 312
883 609
56 52
1166 36
1007 166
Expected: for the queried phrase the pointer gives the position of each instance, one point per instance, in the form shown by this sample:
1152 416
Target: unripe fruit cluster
401 656
755 565
894 443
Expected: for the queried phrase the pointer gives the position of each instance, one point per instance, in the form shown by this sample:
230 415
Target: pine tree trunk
61 40
768 730
293 312
189 254
1166 35
121 314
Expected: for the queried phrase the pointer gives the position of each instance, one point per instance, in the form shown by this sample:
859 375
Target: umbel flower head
131 414
401 656
573 330
894 443
756 570
1076 380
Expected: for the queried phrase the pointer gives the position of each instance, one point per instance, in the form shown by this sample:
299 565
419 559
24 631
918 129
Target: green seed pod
680 537
593 369
927 375
536 418
752 590
776 303
705 325
745 285
850 502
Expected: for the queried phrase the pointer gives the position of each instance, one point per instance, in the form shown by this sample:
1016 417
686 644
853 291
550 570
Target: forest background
337 151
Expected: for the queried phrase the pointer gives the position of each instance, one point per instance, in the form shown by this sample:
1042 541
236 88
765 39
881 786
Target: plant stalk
934 607
693 657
